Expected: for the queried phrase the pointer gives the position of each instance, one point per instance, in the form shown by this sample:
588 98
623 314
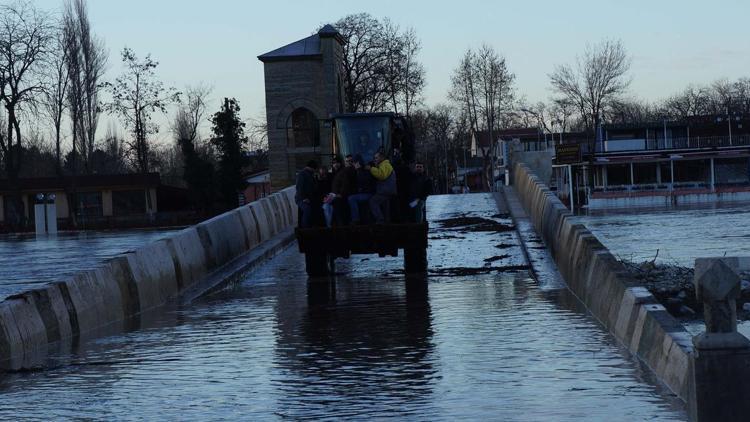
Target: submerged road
477 339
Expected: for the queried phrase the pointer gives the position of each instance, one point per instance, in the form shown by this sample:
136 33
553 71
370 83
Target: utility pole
729 122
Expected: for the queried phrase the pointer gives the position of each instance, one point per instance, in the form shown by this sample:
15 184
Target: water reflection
357 346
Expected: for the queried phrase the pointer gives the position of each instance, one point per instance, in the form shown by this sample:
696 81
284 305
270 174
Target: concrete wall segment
117 292
31 328
53 311
265 224
154 274
11 344
223 237
601 282
188 255
250 224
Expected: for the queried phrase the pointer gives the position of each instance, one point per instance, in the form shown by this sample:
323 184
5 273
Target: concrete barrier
266 226
630 312
114 295
224 238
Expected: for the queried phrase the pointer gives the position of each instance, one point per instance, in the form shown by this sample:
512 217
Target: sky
671 43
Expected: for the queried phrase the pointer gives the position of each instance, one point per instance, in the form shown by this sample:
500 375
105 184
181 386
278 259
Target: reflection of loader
364 134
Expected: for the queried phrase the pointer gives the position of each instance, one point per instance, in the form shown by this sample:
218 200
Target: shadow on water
358 344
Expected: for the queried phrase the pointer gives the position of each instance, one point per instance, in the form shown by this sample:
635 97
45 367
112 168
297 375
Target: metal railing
694 142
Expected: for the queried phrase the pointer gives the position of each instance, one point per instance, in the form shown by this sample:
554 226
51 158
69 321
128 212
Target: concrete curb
113 296
600 281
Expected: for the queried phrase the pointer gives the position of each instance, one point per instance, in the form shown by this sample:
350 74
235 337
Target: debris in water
496 258
464 271
474 224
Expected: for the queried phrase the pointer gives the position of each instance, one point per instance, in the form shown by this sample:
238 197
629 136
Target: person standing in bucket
420 188
305 196
363 190
385 188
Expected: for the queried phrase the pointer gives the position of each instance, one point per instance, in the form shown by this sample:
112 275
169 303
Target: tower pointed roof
305 48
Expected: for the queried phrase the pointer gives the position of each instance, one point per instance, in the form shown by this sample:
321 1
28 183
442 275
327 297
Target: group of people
355 192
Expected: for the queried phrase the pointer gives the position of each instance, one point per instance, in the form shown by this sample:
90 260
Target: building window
303 129
129 202
89 204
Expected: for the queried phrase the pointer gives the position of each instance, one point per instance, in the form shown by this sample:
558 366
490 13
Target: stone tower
303 89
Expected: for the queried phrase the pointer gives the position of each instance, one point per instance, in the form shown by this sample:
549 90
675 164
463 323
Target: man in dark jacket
364 188
420 189
343 184
305 196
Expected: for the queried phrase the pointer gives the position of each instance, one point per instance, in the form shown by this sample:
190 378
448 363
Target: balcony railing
613 146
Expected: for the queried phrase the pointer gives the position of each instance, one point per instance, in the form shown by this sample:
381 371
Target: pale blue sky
672 43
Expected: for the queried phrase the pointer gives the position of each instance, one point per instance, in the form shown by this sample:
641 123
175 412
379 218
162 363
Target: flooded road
476 340
679 234
28 261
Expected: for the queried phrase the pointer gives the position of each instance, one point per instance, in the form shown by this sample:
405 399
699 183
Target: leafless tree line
595 89
48 67
381 70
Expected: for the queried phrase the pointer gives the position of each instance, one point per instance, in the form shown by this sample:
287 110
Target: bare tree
440 131
136 95
86 62
598 78
561 111
402 74
190 113
197 160
381 70
26 34
482 86
692 101
464 90
495 85
629 110
257 134
55 93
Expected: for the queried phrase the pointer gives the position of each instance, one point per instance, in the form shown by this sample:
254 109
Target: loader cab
366 133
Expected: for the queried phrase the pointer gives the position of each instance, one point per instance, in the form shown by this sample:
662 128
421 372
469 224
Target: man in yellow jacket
385 188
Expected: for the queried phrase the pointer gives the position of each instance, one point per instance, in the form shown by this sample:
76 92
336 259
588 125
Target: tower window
303 129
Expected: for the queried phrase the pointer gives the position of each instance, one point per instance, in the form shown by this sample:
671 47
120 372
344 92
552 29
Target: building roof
260 177
305 48
693 121
520 132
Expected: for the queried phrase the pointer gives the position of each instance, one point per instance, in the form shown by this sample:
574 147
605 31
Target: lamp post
729 123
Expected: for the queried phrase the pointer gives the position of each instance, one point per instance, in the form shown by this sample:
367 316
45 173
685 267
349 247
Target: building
304 88
507 142
102 201
702 159
258 185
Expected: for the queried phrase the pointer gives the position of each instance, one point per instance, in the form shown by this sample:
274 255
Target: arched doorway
302 129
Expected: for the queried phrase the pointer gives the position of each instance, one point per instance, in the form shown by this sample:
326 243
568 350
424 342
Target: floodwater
680 235
472 341
29 260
